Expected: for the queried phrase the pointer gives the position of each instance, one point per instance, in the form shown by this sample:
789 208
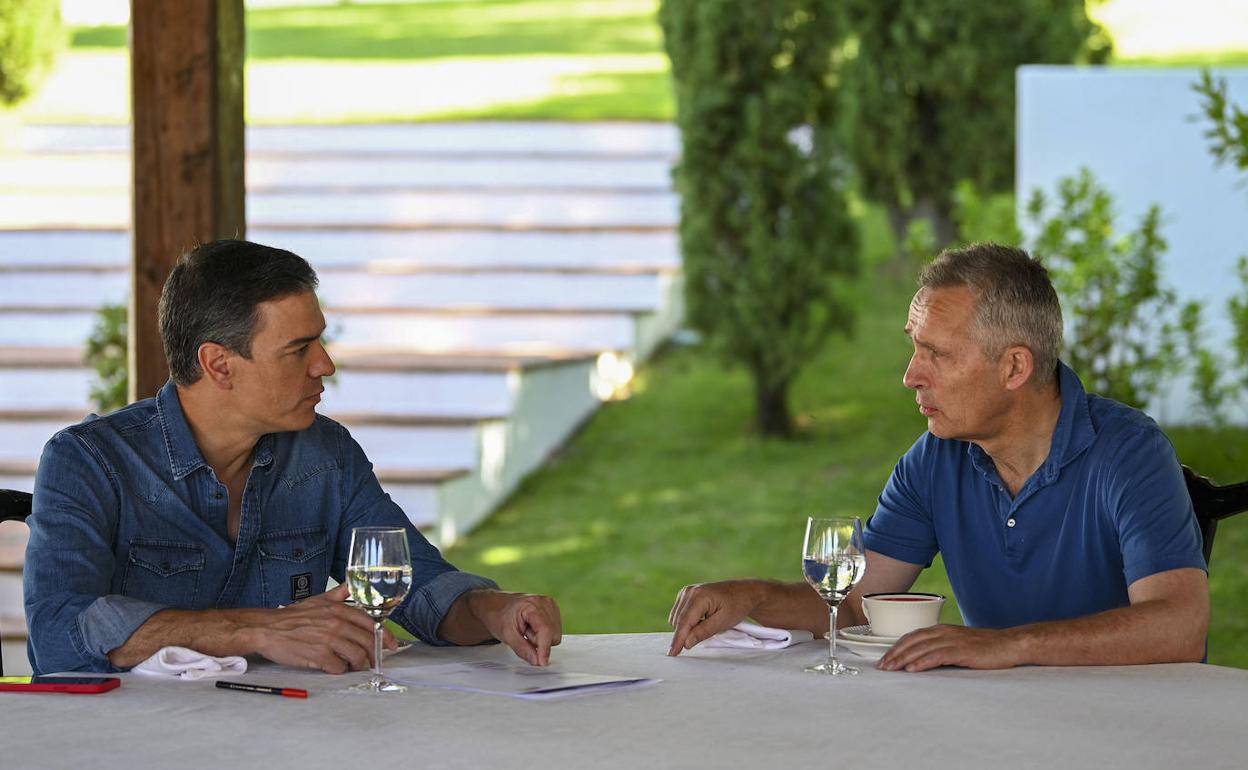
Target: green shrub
107 353
981 217
1122 332
1228 142
931 87
30 37
765 232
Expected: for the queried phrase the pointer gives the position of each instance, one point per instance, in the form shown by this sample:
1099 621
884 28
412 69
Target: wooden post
186 60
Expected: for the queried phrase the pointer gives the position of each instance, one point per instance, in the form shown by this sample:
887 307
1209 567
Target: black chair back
14 506
1213 503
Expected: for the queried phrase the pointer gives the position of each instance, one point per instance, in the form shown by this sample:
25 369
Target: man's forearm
1158 631
212 632
462 624
793 605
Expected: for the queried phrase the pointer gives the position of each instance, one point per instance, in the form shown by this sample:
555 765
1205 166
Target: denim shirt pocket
163 571
292 564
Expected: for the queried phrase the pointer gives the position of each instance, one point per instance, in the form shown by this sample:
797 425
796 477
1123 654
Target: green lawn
671 488
505 59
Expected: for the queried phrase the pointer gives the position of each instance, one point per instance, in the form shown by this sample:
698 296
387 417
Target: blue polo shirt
1108 506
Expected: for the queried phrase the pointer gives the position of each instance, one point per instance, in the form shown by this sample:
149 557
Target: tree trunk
943 227
940 217
771 408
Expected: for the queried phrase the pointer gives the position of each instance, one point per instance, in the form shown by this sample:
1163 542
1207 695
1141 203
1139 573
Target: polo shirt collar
184 454
1072 435
1074 432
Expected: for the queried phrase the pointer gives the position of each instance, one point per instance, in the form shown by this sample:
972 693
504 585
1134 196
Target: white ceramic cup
898 614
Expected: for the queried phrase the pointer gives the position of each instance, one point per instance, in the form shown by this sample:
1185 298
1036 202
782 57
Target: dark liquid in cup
906 599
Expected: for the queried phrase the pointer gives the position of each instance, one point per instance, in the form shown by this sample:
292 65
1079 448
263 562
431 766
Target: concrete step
474 139
382 250
445 469
428 330
271 173
31 287
400 442
400 209
431 386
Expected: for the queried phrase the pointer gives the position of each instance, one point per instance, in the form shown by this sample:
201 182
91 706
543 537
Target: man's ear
215 362
1017 366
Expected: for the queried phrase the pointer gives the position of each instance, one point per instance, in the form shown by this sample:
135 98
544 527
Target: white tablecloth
723 709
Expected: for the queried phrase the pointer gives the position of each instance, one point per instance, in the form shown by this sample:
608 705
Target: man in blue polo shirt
1062 517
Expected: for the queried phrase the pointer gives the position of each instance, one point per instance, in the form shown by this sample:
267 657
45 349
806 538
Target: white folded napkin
184 663
748 636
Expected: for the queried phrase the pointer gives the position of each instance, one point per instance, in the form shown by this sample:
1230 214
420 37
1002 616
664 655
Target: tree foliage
764 229
1122 332
931 87
1227 133
30 37
107 352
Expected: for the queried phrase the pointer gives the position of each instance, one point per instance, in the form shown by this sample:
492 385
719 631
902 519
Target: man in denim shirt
1062 517
192 518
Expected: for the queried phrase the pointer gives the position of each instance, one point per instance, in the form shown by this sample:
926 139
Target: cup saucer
863 634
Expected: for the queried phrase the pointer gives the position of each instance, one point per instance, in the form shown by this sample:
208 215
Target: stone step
401 442
427 330
272 173
478 385
31 287
386 209
471 140
382 250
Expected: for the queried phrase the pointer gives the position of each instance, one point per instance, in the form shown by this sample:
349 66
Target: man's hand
319 632
953 646
527 623
705 609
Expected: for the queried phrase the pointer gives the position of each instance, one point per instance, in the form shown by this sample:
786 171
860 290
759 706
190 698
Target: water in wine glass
833 561
378 590
833 578
379 576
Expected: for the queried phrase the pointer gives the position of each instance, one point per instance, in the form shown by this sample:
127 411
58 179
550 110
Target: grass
671 487
509 59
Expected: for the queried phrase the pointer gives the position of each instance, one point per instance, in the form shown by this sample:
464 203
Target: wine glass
379 575
833 560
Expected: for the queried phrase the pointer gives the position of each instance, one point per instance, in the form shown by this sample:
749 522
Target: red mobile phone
70 684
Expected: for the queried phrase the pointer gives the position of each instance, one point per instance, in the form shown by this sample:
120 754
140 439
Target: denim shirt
128 520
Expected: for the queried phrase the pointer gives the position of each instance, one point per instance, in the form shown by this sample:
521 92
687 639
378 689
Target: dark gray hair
213 295
1015 302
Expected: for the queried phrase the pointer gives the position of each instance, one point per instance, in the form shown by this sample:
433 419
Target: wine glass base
831 668
378 684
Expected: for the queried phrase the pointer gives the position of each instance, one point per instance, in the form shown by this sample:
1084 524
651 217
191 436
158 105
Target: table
712 709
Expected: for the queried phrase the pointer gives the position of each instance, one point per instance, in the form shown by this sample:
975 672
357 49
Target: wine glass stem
832 634
377 649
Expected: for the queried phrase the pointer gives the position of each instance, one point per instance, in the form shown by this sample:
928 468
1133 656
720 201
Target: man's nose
323 365
913 378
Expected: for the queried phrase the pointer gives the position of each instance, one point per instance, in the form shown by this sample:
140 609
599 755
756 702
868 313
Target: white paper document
517 680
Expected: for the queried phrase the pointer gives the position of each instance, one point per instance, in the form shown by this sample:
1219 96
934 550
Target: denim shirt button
298 553
164 565
218 496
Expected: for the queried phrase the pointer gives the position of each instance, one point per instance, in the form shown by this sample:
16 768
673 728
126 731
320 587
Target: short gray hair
1015 302
213 295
